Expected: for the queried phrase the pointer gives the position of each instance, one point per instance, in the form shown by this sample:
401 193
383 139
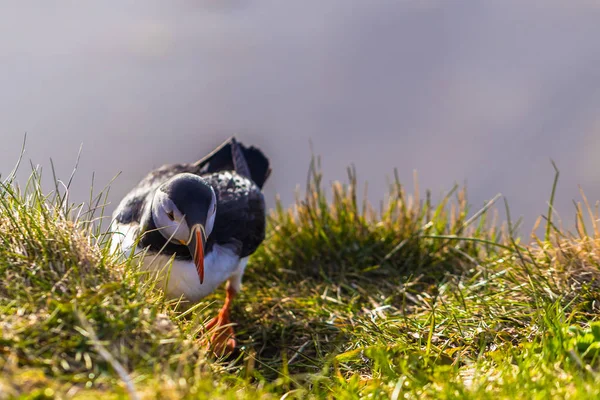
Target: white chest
179 277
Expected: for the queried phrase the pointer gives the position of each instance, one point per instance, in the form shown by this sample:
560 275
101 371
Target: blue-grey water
483 92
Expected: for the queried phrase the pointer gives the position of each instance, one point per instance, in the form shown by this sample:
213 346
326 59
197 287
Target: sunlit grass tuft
73 313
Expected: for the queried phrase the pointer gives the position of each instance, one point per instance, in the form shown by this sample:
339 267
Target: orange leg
223 340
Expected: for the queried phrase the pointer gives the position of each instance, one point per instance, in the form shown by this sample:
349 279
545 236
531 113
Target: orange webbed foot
222 342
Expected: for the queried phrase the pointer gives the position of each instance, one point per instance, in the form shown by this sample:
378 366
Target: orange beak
196 247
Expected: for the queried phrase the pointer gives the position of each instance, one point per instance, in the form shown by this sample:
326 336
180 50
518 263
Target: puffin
195 225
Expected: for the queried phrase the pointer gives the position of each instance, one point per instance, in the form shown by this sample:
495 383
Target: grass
417 299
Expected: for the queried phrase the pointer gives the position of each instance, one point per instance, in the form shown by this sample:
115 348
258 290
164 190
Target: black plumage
236 173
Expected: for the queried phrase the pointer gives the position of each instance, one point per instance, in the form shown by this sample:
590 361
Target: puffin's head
183 210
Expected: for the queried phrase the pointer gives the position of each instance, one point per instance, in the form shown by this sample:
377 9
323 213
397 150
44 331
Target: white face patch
168 219
212 212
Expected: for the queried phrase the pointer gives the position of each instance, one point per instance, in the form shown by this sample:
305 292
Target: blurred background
482 92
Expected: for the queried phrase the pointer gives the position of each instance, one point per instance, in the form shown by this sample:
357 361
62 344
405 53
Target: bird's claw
222 342
221 346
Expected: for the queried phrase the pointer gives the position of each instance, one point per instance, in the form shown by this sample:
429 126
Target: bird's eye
171 216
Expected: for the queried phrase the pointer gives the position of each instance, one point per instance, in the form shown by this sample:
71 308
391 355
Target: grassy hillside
414 299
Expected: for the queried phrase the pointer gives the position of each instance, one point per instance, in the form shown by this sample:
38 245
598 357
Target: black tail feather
260 169
222 159
240 165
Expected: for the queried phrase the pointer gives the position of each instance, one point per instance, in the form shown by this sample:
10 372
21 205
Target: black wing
241 218
222 159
